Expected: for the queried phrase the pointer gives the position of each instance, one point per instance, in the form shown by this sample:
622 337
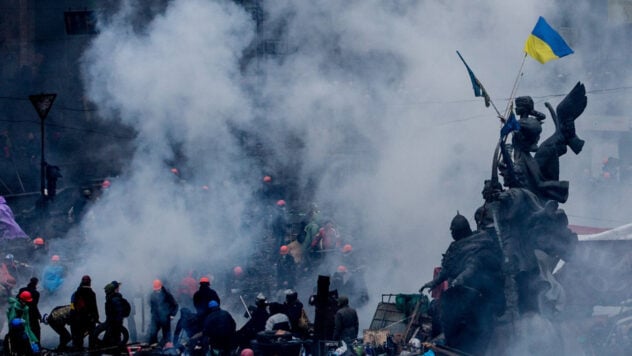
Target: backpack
127 308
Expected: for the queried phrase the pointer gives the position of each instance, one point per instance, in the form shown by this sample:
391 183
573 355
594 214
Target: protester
84 312
20 332
346 322
163 308
34 313
219 327
203 296
58 318
53 275
117 309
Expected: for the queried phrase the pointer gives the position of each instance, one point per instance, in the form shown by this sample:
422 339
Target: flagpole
515 86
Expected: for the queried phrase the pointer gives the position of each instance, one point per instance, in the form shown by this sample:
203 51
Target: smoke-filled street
332 170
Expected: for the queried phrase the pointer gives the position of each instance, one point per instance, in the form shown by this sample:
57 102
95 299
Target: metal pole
43 162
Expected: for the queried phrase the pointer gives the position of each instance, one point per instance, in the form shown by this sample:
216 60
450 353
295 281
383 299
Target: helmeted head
267 179
483 218
280 203
460 227
341 269
157 285
347 248
284 250
25 296
247 352
205 280
55 258
213 304
105 184
9 258
238 271
38 241
111 287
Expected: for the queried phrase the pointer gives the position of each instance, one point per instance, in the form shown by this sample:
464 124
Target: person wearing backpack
84 314
117 308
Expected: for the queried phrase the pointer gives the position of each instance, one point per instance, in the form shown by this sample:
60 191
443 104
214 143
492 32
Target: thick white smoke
383 106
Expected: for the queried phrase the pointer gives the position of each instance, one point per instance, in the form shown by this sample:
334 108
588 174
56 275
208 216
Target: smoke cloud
391 140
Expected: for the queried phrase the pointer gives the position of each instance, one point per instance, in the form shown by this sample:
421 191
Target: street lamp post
42 104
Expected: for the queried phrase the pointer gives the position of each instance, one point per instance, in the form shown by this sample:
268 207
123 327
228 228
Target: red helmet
205 280
280 202
26 296
284 250
267 179
157 284
175 171
238 271
54 258
106 184
347 248
342 269
38 241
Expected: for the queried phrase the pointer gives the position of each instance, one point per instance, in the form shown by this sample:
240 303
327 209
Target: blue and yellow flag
545 44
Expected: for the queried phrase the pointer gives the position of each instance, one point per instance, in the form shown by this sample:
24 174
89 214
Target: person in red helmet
18 316
34 314
53 275
203 296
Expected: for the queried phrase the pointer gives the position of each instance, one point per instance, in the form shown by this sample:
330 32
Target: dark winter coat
114 308
203 296
346 324
84 304
163 305
219 327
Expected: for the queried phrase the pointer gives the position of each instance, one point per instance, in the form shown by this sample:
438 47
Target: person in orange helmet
203 296
163 308
286 269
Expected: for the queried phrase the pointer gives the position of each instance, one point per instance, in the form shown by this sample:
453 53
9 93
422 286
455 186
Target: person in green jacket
18 318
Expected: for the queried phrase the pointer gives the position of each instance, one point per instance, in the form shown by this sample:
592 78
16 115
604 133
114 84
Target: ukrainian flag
545 44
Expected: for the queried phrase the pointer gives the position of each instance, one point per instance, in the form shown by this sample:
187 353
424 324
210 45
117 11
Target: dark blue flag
479 90
511 125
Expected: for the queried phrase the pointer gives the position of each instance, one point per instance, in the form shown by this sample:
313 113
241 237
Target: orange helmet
106 184
38 241
205 280
347 248
341 269
157 284
175 171
238 271
267 179
280 202
284 250
26 296
55 258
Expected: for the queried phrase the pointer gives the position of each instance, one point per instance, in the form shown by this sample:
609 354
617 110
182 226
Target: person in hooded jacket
163 308
345 322
84 312
219 328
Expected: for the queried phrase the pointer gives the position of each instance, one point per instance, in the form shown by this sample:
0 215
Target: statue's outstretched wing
573 104
567 111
